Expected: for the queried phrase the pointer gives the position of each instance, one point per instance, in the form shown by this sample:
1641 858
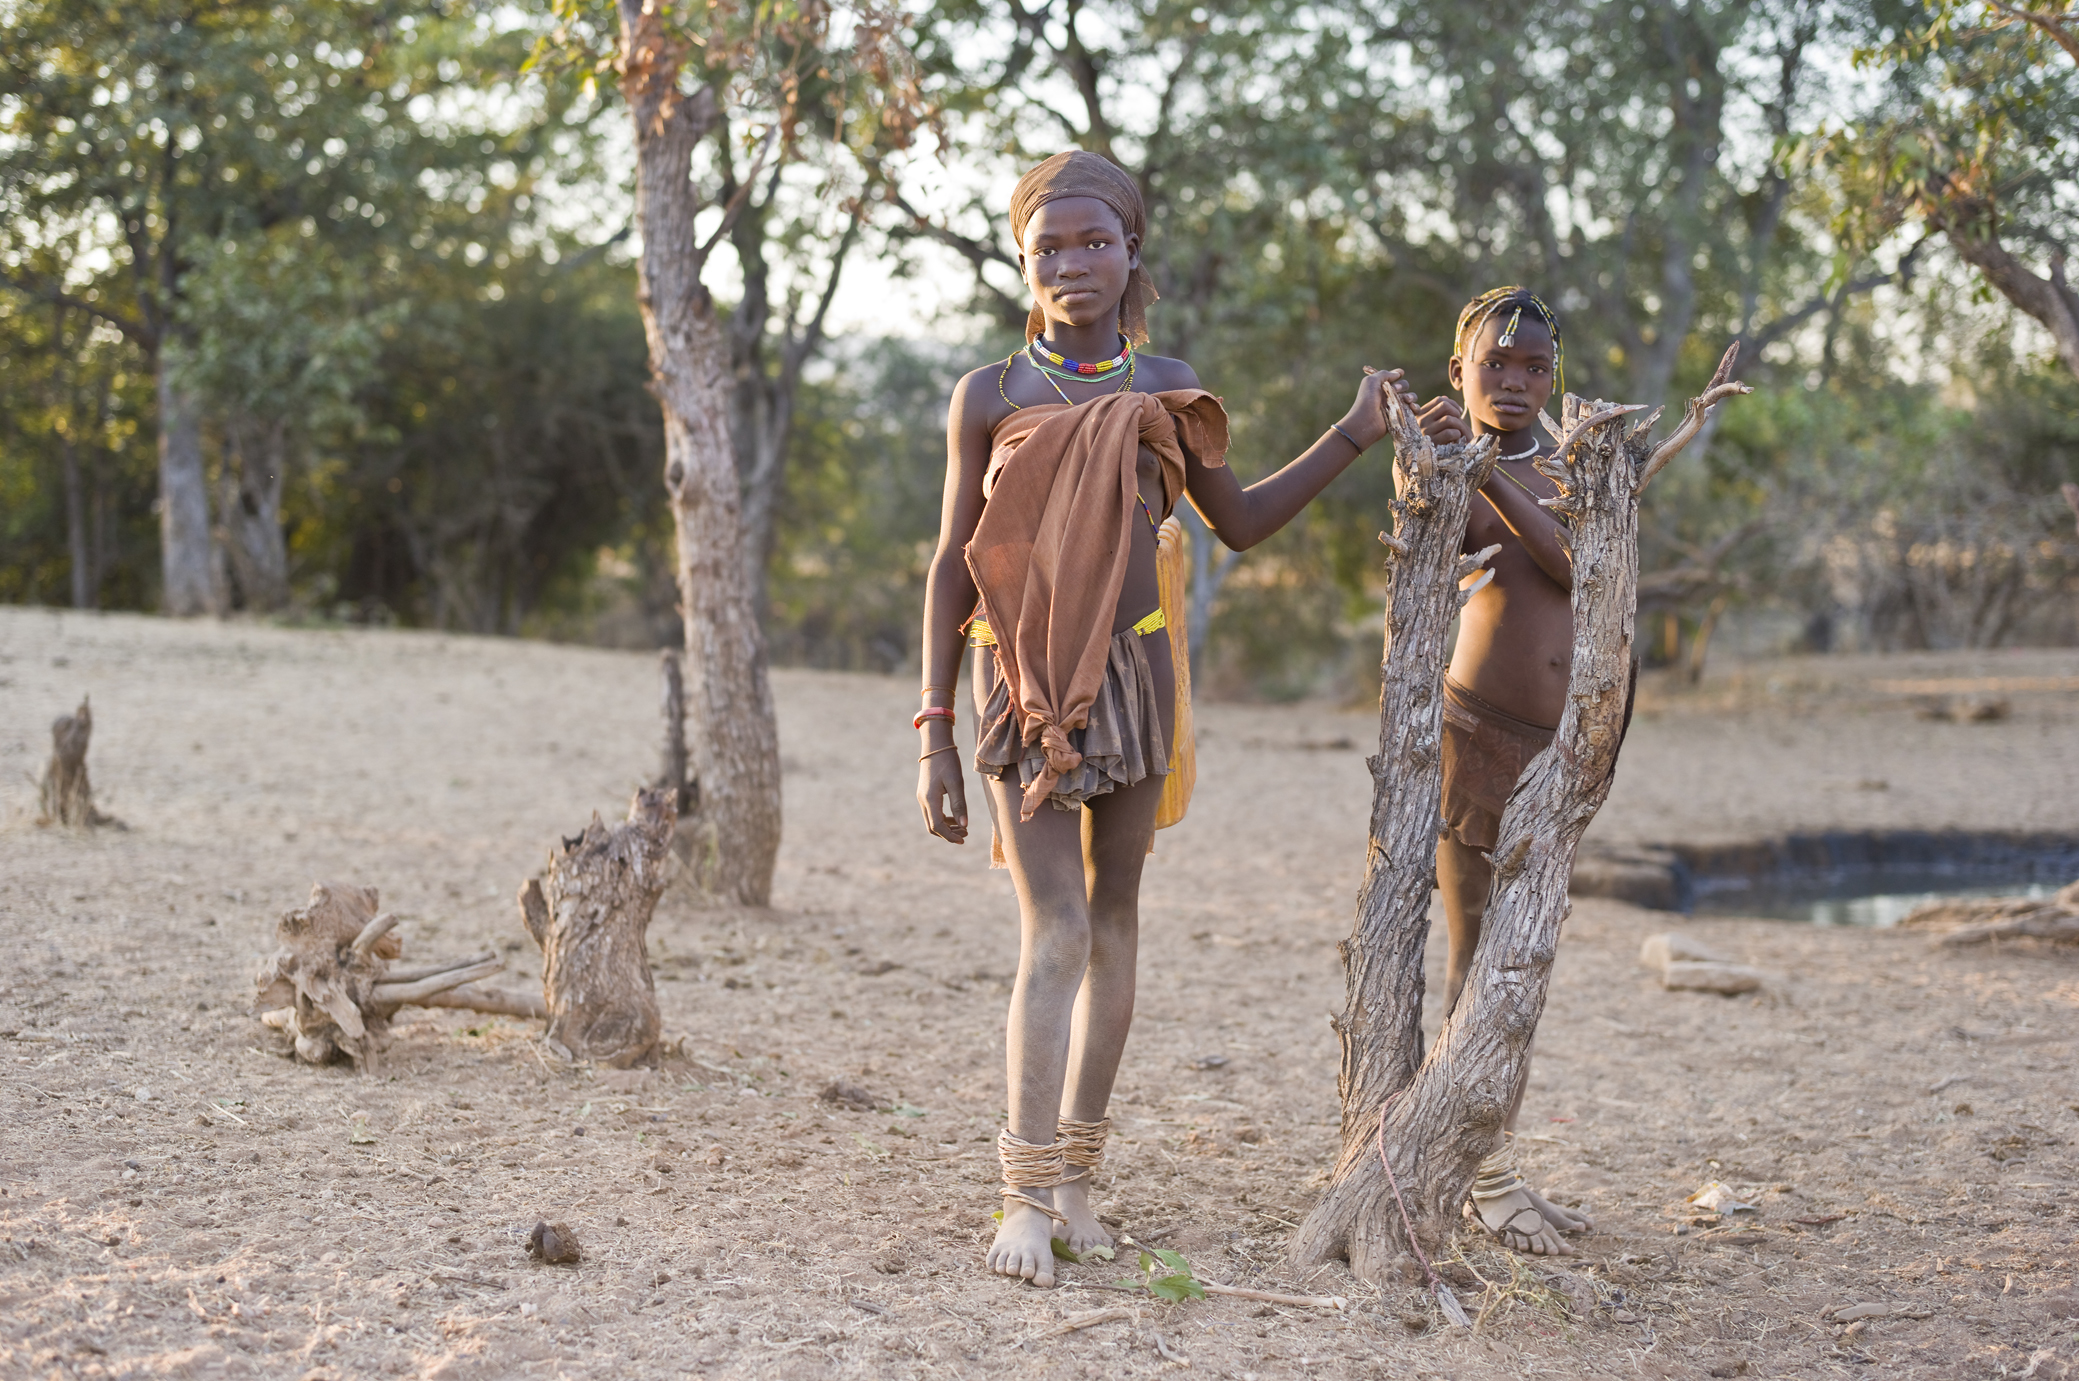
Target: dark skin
1515 651
1077 873
1515 638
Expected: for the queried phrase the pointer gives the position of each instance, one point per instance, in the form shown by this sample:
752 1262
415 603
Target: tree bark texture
330 989
1437 1124
251 504
734 743
65 796
1381 1025
188 583
592 920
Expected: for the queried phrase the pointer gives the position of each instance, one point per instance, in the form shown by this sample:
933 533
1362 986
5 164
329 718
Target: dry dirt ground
177 1201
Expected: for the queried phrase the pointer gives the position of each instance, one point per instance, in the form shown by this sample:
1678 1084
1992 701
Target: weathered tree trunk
188 582
1381 1025
735 740
1437 1125
252 507
592 922
329 986
65 796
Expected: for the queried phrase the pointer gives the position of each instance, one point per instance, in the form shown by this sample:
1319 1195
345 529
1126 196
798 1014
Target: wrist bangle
933 712
1336 427
936 751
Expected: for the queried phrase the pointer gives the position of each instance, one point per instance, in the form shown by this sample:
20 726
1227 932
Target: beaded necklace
1049 362
1125 386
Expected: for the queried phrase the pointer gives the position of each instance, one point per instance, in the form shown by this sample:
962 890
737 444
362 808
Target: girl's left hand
1365 422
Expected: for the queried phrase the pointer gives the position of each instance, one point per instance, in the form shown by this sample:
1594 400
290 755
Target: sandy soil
174 1201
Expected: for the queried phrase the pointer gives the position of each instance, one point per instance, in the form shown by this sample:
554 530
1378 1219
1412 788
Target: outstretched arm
1243 517
949 595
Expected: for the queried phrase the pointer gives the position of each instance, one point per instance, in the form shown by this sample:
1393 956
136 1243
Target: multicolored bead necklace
1061 366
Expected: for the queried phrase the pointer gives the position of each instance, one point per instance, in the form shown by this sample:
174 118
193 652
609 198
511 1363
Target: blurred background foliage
427 387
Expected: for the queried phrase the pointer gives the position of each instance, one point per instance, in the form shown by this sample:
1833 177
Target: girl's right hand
942 793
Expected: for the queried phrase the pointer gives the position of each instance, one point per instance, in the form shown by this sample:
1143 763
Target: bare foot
1518 1224
1082 1231
1024 1245
1567 1220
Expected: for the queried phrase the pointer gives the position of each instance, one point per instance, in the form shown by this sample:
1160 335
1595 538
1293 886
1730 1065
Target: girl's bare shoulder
978 396
1160 374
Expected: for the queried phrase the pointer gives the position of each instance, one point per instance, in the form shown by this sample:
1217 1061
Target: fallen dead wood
64 795
329 988
591 918
1977 920
1336 1302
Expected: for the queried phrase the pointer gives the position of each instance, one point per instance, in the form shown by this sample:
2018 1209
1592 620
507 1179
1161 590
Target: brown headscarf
1080 173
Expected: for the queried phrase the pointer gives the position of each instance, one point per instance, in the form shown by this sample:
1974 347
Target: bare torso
1515 637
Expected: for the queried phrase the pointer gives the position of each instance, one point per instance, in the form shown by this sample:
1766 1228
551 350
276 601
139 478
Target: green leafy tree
1976 139
151 134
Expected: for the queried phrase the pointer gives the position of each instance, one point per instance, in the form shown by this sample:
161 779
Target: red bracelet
933 712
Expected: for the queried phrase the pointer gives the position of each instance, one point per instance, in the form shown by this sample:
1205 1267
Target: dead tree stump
65 796
1437 1120
331 990
591 920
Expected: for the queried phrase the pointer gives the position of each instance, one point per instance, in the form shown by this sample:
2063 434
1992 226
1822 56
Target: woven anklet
1083 1145
1029 1166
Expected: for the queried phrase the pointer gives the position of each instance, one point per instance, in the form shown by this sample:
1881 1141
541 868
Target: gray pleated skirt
1121 745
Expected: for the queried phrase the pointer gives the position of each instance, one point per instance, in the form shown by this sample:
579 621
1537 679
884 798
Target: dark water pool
1858 878
1855 903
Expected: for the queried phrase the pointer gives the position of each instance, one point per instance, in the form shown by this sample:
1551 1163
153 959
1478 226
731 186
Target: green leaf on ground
1062 1251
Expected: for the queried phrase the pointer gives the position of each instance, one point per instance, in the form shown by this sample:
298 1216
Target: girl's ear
1457 368
1133 251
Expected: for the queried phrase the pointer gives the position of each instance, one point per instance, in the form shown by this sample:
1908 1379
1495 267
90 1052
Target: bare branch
136 332
735 205
2051 24
1693 418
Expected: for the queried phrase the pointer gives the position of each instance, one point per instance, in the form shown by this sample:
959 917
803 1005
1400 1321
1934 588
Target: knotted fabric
1049 555
1080 173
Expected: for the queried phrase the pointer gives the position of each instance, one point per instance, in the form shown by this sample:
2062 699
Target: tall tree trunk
76 527
189 586
252 507
1437 1125
734 739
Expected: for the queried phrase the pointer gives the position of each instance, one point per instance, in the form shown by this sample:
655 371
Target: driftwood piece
1977 920
1437 1120
64 795
329 986
591 919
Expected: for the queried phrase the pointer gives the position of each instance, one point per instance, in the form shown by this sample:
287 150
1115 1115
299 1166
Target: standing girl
1061 463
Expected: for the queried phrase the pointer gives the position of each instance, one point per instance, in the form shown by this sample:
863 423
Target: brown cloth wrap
1485 752
1049 555
1080 173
